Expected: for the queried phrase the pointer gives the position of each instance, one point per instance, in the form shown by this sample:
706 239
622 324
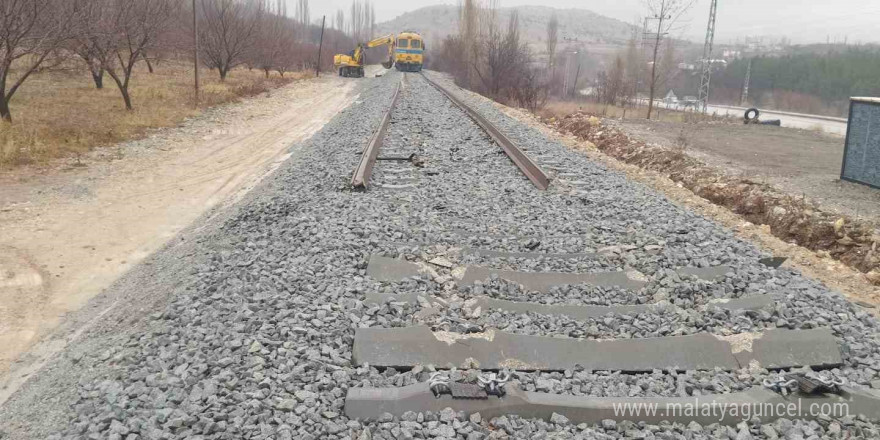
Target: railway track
488 354
454 301
533 171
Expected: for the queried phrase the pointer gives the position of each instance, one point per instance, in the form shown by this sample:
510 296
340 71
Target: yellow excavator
352 64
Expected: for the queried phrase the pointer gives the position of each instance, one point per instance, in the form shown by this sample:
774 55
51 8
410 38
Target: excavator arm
387 40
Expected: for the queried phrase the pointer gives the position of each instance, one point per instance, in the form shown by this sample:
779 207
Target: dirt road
798 162
830 125
67 235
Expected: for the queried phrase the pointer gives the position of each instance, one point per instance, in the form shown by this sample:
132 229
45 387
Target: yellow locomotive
409 52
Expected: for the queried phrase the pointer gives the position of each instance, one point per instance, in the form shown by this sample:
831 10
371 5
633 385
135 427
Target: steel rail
364 170
528 167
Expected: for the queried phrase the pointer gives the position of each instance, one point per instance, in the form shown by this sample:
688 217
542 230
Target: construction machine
352 64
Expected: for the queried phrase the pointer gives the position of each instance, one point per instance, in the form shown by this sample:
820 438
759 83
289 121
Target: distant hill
576 26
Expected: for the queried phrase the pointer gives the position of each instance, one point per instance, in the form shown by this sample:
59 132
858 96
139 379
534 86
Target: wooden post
196 50
320 47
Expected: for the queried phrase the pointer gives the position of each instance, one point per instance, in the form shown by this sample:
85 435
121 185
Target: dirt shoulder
799 162
67 234
816 265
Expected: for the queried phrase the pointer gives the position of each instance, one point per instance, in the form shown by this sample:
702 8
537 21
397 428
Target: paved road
794 120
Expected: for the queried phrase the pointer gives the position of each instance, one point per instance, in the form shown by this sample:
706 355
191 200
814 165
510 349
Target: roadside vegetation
816 80
492 59
78 74
60 114
793 219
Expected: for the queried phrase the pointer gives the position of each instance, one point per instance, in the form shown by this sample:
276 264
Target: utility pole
196 50
641 60
320 47
567 77
657 39
707 57
745 95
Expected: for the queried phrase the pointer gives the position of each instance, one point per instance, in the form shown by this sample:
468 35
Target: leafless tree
501 57
276 41
666 13
340 20
122 31
229 31
359 21
668 64
468 33
552 39
611 84
83 48
372 20
303 18
30 32
635 70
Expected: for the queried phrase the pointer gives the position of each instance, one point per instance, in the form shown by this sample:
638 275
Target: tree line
110 37
492 59
829 77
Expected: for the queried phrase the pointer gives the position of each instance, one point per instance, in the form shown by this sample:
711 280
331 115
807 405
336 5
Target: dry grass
58 114
610 111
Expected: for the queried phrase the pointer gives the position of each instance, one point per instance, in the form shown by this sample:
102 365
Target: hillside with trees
810 79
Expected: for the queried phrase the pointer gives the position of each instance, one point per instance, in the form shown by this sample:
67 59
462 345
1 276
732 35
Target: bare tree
302 17
666 13
85 50
552 39
372 20
340 20
30 32
668 65
229 32
500 57
468 33
122 31
611 84
276 42
634 70
360 20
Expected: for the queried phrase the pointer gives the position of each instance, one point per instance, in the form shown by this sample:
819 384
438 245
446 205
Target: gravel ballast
255 339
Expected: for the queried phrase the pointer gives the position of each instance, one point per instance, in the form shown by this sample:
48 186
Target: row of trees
807 80
629 73
491 59
111 37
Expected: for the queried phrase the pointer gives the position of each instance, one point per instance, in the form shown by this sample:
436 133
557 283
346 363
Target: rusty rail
528 167
361 177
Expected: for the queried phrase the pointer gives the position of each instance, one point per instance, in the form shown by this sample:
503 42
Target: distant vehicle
410 51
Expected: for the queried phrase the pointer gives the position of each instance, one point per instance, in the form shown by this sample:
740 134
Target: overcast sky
804 21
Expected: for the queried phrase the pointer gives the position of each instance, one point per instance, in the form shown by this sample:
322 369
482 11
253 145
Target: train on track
409 53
